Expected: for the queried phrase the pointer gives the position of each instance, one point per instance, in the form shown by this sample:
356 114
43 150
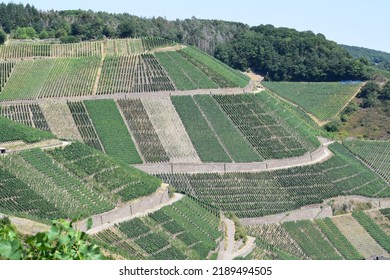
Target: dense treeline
276 53
286 54
86 25
377 58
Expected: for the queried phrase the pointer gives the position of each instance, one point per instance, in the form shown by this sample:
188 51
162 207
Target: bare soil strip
60 120
17 146
170 130
359 237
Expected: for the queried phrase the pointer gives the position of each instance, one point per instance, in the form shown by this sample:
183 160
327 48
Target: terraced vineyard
205 141
84 49
112 178
60 120
185 75
373 229
239 149
170 130
5 72
338 240
18 198
84 125
311 241
30 115
218 72
265 193
375 154
318 239
11 131
173 232
143 131
269 133
112 131
323 100
133 73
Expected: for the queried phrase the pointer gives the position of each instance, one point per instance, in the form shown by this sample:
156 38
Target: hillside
379 59
362 235
276 53
95 114
70 182
108 67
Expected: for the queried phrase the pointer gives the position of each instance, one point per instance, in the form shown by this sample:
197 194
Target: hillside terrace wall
319 155
129 209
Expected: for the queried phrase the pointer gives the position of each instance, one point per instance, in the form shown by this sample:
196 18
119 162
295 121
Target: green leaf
11 250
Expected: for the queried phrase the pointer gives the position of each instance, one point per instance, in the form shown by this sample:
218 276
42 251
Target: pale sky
352 22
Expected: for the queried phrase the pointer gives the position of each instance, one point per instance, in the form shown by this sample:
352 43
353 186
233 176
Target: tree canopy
286 54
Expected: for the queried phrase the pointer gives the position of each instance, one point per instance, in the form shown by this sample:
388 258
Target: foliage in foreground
61 242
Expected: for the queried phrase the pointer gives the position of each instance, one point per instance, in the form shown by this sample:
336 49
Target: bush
3 36
332 126
61 242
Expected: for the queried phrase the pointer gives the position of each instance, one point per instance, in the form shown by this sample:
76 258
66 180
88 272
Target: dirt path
229 248
99 72
137 208
27 227
319 155
175 198
140 95
17 146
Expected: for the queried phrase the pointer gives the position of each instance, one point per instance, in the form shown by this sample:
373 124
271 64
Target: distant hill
378 58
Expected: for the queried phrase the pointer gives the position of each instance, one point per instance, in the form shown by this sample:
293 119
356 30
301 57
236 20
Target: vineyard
60 121
373 229
18 198
311 241
218 72
30 115
5 72
317 239
133 73
173 232
185 75
205 141
375 154
84 125
112 131
239 149
268 132
107 67
84 49
143 131
338 240
170 130
111 178
11 131
323 100
266 193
